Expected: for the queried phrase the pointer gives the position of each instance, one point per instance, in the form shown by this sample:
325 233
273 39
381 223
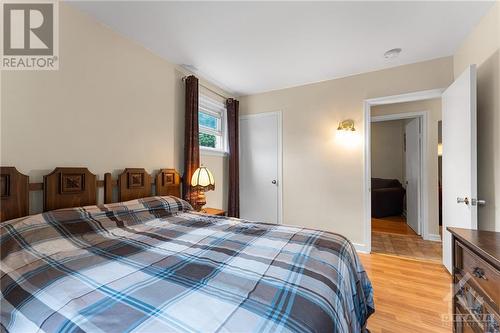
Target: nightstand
214 211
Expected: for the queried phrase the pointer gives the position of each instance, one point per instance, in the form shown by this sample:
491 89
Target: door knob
274 182
478 202
463 200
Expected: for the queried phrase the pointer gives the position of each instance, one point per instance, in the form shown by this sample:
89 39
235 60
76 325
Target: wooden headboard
14 201
67 187
133 183
167 182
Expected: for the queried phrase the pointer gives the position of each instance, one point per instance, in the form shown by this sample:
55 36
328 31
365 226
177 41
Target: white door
260 140
459 158
412 174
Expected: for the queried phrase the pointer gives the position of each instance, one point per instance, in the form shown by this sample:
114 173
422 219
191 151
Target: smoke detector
392 53
189 67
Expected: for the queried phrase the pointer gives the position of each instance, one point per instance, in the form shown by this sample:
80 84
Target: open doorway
396 149
459 160
404 179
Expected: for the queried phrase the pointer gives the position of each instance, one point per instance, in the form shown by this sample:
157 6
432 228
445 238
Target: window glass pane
207 120
207 140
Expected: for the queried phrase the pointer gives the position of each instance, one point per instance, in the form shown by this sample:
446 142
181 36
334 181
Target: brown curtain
191 137
233 203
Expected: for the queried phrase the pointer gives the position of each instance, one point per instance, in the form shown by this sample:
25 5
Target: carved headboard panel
14 194
168 182
134 183
69 187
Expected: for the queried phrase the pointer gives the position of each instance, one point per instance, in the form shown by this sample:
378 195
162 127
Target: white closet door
259 167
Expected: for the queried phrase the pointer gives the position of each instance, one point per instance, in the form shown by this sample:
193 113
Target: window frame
214 108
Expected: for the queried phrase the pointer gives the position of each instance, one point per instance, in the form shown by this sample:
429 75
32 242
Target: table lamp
201 181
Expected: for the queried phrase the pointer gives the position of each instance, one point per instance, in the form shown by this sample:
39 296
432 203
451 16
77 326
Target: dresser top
486 243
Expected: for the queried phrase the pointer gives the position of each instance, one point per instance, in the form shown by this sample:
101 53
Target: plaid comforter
154 265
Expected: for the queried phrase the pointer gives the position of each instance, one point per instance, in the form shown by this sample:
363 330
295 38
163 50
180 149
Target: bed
152 264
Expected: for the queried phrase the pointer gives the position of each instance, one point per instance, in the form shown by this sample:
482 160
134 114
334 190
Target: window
212 123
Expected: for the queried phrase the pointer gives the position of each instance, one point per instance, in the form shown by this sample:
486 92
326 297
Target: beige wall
323 178
481 47
387 152
112 104
433 109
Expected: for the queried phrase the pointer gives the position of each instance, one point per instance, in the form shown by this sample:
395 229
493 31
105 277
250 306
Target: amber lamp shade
201 181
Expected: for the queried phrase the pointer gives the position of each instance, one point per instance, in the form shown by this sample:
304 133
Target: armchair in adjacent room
387 197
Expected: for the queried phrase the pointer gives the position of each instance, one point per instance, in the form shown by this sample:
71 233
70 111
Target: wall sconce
346 125
346 134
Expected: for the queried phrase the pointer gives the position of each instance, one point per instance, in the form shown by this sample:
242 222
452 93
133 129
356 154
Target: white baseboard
361 248
433 237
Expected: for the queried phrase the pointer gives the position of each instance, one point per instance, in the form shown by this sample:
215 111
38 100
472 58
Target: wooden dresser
476 278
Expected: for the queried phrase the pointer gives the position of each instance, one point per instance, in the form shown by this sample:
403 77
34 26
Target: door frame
422 188
367 104
280 153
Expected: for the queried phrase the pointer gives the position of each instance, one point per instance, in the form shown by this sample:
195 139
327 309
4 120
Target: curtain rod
204 86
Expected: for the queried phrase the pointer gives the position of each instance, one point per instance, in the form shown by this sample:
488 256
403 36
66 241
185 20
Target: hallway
392 236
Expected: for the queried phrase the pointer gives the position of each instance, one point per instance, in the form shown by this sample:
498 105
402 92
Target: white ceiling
250 47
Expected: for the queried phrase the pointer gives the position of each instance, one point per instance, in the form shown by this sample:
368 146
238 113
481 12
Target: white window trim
212 152
203 99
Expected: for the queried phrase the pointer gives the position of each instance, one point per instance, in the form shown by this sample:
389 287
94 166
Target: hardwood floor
410 295
392 235
393 225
